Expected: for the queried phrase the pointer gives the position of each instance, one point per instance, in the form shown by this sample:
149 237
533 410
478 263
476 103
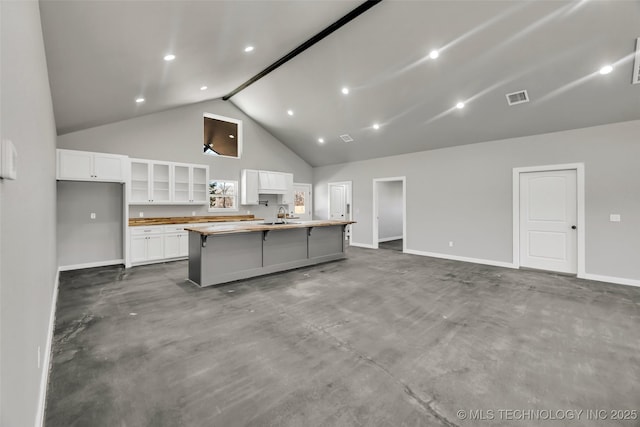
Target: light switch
93 215
614 217
141 214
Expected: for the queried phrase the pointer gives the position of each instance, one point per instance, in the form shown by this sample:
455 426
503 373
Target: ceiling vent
519 97
346 137
636 64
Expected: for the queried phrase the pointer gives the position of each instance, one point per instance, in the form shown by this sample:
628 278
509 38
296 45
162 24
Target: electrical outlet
193 213
141 214
450 244
614 218
93 215
39 357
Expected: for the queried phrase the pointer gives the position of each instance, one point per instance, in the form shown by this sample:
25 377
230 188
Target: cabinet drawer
140 231
175 228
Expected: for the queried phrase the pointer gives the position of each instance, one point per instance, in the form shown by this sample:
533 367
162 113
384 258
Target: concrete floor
394 245
379 339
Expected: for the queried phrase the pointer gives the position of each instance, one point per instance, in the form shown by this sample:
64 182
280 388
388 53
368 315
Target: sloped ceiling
102 55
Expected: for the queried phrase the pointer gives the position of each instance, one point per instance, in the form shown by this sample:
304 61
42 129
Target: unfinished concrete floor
379 339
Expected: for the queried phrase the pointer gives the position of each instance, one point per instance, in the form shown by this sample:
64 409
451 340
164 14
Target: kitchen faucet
282 213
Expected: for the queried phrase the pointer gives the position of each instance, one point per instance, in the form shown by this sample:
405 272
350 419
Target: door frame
348 201
374 218
309 202
580 219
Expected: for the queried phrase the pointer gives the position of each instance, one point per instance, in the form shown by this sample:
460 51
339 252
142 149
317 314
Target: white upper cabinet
168 183
190 184
256 182
274 182
287 197
249 187
150 182
88 166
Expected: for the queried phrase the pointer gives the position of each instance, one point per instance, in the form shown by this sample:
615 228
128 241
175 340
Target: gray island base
221 254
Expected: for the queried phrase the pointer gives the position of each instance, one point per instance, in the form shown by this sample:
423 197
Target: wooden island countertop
190 220
248 228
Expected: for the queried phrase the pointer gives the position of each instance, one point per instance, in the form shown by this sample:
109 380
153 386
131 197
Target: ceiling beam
306 45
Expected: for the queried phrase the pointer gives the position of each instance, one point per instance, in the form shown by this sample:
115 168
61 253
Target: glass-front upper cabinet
182 183
199 182
161 183
140 183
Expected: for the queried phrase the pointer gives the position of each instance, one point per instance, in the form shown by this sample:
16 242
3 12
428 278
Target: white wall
82 240
389 210
28 214
464 194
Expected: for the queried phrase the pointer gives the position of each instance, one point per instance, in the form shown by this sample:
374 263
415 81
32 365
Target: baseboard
461 258
362 245
46 362
388 239
91 264
610 279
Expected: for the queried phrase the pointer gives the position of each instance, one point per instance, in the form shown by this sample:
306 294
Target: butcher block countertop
190 220
242 228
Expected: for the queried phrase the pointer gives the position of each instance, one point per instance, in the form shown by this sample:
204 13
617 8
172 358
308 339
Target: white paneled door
337 202
548 214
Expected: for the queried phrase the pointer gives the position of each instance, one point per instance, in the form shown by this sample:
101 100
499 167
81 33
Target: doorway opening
549 218
340 202
390 213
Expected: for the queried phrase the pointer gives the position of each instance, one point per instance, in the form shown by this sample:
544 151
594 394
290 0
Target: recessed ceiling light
376 126
139 100
169 57
290 112
203 88
434 54
231 136
321 140
606 69
460 105
248 48
345 90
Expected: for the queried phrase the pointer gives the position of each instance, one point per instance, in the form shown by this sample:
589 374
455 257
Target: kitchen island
223 253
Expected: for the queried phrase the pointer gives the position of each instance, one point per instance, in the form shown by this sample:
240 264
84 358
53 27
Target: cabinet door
172 245
160 183
108 168
140 182
200 185
249 187
181 184
75 165
155 248
184 244
265 181
138 248
287 197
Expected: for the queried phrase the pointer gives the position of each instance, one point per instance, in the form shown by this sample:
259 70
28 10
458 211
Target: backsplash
154 211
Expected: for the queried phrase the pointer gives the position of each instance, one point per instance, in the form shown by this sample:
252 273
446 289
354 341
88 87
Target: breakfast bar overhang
220 254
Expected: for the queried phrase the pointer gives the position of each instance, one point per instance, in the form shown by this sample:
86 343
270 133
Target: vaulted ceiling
102 55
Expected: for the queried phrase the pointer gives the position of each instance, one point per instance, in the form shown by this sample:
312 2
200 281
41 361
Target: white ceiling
103 54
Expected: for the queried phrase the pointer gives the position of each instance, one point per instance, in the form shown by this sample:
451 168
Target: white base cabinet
160 243
147 244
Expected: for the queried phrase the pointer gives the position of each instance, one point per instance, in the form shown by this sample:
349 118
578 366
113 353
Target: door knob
573 227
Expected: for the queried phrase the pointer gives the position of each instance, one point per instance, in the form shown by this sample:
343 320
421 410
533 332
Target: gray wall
389 209
464 194
82 239
177 135
27 218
